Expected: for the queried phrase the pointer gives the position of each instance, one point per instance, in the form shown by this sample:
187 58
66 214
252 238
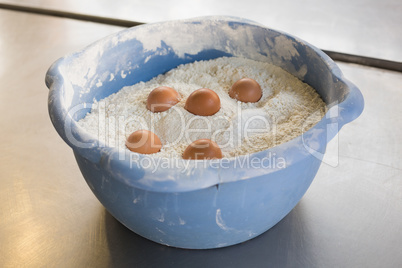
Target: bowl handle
346 111
65 126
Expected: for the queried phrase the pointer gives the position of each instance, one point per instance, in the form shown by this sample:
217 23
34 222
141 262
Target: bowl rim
348 109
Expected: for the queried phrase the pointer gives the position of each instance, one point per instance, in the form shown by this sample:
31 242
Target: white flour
288 108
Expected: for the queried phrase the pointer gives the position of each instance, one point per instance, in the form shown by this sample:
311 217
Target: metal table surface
350 217
362 27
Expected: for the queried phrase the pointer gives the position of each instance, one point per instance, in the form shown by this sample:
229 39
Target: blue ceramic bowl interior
190 205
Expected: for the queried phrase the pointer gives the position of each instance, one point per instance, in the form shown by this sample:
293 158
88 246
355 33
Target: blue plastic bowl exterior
196 206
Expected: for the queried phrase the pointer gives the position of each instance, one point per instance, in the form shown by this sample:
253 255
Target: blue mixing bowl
188 204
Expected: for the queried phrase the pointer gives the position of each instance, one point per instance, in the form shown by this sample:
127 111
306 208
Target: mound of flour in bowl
288 108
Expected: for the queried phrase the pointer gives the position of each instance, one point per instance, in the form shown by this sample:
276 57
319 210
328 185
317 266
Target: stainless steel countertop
362 27
351 216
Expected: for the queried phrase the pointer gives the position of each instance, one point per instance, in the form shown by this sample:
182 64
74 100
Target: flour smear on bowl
288 107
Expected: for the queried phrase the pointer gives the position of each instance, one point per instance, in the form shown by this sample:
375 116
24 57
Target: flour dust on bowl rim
188 204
